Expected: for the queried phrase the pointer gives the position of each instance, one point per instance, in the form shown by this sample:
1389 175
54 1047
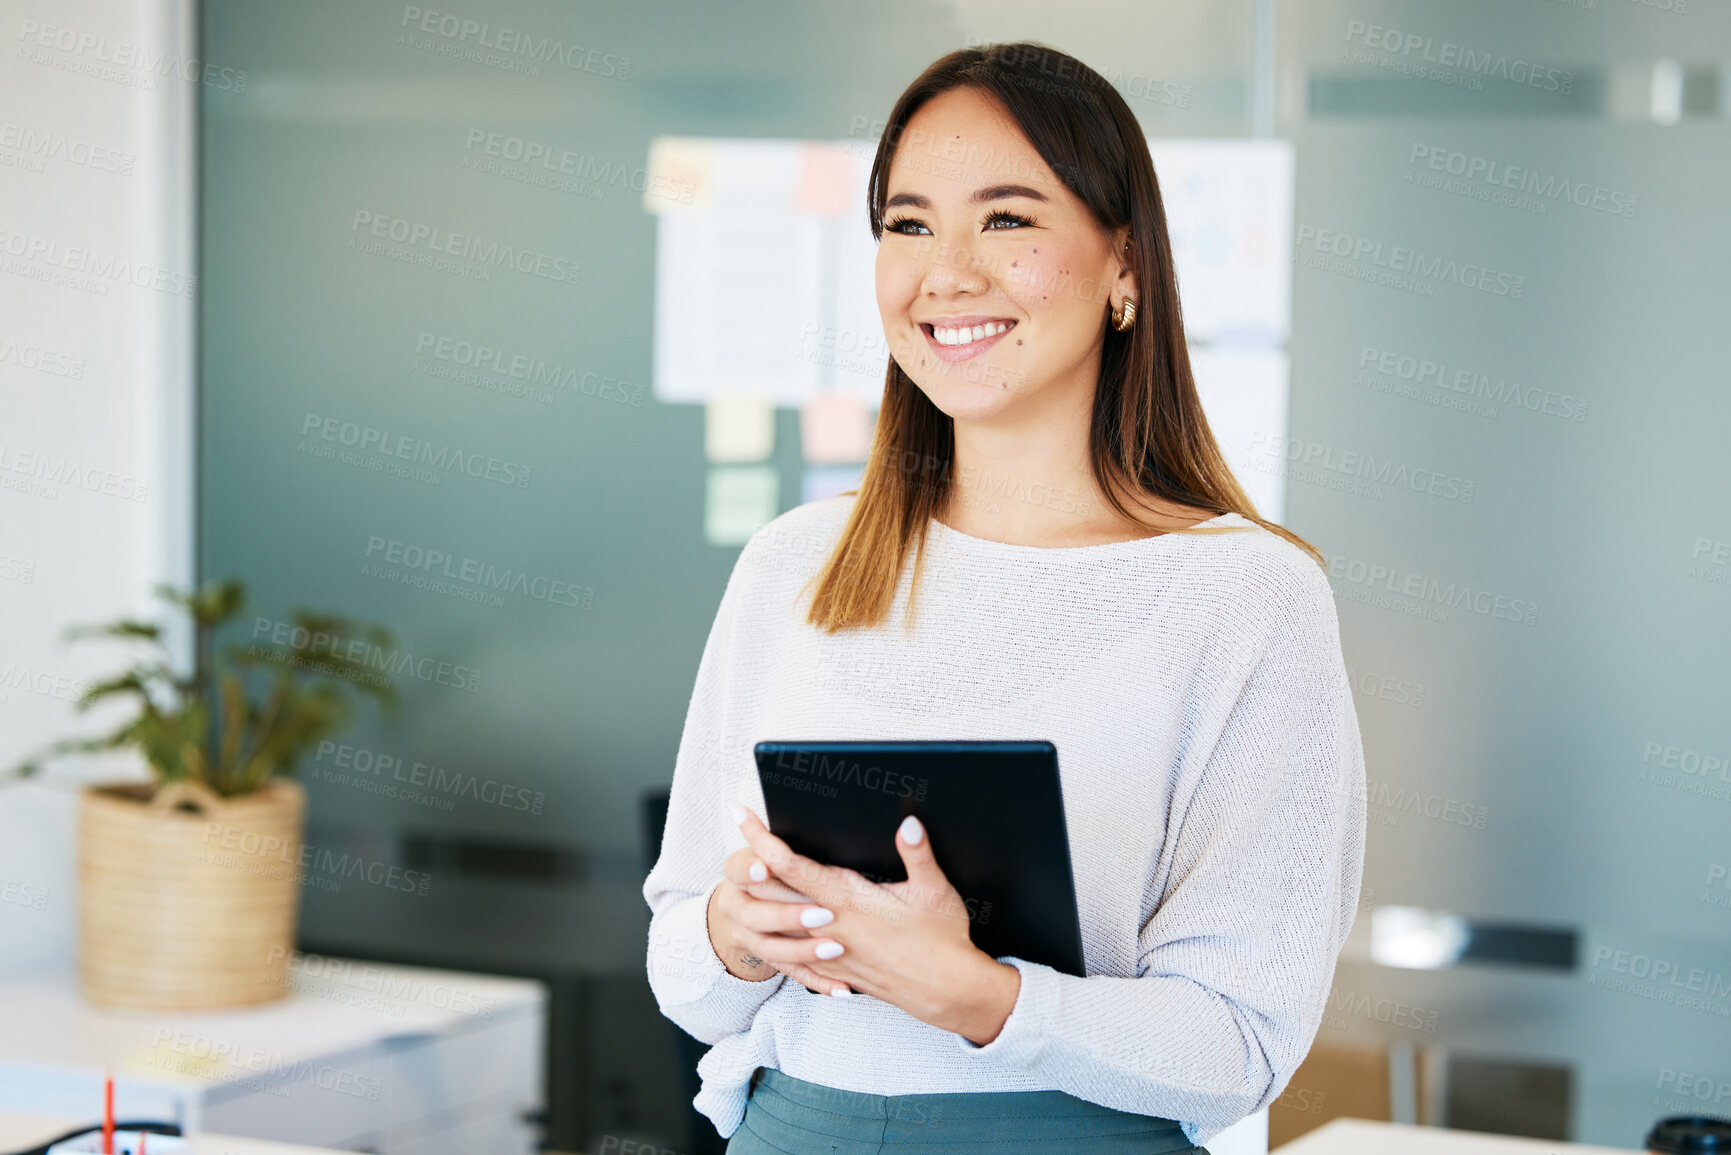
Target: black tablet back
994 811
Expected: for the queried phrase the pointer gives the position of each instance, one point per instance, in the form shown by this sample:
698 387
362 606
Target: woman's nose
955 267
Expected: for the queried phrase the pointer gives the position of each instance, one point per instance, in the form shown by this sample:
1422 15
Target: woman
1087 571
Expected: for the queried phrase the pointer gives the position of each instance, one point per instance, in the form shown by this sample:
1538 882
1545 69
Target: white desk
359 1056
18 1132
1363 1137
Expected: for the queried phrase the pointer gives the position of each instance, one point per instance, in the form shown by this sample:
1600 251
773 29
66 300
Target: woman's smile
959 338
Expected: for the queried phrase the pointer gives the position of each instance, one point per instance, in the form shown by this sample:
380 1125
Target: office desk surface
332 1005
1364 1137
19 1132
358 1055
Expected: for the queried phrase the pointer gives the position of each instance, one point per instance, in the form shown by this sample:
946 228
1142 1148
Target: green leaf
211 724
125 628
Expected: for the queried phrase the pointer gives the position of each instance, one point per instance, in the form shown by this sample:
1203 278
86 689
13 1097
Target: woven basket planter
186 900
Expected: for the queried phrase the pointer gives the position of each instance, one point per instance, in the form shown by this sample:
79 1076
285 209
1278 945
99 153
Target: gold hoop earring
1123 320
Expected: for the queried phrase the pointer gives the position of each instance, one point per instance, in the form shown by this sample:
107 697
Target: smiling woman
1028 295
1182 655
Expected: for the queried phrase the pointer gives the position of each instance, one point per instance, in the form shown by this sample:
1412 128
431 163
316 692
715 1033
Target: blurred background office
358 300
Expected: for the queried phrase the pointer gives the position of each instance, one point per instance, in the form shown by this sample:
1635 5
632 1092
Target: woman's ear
1124 285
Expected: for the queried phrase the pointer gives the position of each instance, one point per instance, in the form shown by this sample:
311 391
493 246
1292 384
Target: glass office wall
426 355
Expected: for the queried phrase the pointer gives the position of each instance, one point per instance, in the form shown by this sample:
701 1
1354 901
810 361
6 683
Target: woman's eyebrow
996 192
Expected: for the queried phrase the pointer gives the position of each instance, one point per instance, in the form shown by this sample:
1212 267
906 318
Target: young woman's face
992 277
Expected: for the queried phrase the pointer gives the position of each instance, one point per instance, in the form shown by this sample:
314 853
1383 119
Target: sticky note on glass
825 186
835 428
740 501
738 427
829 480
680 176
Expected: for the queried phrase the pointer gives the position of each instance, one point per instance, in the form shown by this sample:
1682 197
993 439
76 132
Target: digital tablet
993 810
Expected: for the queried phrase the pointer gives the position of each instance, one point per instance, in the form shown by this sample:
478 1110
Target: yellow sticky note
738 427
680 175
834 429
740 500
825 183
158 1061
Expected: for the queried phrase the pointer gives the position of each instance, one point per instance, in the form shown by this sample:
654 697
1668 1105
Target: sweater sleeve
713 766
1266 860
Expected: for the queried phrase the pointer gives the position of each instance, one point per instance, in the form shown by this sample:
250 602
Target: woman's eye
910 226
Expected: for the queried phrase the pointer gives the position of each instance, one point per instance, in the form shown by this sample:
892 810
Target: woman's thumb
916 851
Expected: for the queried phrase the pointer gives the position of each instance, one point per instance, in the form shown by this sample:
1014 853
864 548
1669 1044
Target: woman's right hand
746 905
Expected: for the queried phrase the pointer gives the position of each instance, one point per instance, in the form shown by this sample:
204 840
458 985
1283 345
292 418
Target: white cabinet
360 1057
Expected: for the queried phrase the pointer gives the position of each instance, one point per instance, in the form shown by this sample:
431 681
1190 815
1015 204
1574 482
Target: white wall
97 299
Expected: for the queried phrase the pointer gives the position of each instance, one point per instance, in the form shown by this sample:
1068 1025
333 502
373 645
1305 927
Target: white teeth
968 336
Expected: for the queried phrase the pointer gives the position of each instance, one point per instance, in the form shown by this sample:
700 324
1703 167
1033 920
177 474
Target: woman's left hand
906 942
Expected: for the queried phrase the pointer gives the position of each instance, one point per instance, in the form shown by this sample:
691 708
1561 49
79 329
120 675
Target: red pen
108 1114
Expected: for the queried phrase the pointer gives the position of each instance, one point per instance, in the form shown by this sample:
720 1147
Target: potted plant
189 885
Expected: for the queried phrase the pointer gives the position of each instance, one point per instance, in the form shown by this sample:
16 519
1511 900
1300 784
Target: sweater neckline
1067 551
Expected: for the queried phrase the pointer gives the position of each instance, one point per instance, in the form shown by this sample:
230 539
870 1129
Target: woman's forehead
954 147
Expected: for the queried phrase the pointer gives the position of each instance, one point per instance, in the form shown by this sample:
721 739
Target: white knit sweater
1213 785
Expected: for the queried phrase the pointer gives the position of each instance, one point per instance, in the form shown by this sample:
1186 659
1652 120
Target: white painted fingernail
830 949
912 831
758 872
816 916
842 993
737 811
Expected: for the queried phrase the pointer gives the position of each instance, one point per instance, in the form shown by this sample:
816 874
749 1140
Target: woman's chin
965 401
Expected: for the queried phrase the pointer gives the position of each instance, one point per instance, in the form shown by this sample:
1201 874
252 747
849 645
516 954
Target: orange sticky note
825 183
680 175
834 429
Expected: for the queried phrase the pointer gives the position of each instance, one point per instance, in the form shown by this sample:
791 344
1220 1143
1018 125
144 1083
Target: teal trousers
789 1116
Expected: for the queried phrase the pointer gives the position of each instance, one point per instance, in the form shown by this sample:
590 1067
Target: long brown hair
1148 434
